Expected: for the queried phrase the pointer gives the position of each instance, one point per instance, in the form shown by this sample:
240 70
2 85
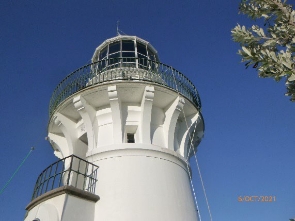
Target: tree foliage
270 47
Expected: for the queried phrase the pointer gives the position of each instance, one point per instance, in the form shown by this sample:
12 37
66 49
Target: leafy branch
269 49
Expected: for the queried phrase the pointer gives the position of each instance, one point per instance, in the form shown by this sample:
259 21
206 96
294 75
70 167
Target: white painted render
147 180
147 183
102 116
63 207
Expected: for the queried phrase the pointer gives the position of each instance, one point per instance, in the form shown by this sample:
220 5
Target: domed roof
125 46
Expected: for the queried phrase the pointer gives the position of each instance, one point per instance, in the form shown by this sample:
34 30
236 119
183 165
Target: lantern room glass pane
114 47
128 54
128 57
103 53
151 55
141 48
115 55
128 45
142 60
114 58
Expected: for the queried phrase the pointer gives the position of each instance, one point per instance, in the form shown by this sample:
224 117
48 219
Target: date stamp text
264 199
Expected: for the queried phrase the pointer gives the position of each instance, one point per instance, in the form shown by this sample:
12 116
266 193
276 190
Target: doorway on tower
130 133
130 138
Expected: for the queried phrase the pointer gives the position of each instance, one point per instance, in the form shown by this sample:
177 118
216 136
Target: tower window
130 138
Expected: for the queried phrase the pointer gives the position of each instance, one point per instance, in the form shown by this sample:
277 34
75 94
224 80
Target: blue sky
248 147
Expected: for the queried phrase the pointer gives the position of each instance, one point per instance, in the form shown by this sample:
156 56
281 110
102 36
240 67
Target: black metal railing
117 69
70 171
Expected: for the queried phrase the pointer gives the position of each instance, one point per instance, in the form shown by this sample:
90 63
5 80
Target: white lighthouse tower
124 128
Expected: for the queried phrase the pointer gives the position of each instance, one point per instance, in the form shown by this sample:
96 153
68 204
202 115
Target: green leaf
246 51
270 49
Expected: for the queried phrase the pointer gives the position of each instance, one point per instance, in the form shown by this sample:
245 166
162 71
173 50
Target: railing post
50 174
70 170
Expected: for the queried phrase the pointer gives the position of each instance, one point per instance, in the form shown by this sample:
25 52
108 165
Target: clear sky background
248 148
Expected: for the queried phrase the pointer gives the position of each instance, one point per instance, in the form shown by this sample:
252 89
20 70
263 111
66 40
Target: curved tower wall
139 134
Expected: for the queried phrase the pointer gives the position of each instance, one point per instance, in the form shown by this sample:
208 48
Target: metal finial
118 32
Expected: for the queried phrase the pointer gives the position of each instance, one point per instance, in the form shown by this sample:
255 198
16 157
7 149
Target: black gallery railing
70 171
116 69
